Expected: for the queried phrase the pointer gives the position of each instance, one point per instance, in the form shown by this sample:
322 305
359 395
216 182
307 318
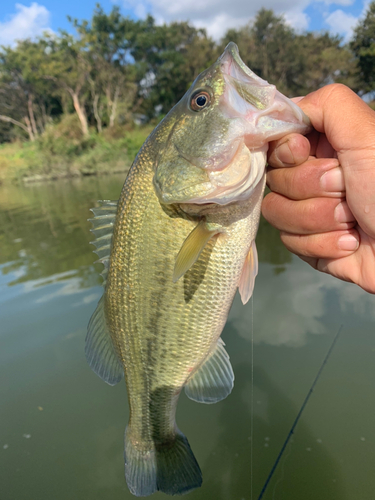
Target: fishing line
252 396
288 451
291 432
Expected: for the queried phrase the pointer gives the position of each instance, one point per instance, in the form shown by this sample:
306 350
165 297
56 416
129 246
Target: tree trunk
31 115
40 124
81 114
97 114
114 107
27 129
44 116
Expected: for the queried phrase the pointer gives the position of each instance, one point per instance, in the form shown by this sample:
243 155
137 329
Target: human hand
323 202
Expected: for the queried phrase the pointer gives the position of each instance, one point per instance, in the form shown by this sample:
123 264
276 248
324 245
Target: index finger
289 151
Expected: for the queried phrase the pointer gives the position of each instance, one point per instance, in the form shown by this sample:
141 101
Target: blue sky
28 19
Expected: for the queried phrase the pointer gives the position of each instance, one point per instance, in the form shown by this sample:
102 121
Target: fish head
216 147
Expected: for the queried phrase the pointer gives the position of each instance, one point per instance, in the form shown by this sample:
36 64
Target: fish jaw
268 114
233 184
218 155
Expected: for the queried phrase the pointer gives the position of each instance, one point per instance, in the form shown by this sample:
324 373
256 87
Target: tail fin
171 468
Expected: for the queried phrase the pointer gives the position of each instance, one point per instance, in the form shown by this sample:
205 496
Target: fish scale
189 329
183 242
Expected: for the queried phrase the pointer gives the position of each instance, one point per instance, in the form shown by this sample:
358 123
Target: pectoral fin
249 272
192 248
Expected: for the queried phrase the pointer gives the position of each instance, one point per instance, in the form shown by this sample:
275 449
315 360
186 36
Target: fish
175 247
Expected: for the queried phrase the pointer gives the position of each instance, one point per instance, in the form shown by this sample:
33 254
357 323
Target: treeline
116 71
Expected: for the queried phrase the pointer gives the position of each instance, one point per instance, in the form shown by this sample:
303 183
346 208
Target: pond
61 432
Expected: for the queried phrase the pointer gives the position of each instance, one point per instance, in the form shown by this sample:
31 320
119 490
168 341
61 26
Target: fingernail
348 242
333 180
343 213
284 154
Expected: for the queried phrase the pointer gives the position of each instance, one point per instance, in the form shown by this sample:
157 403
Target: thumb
349 125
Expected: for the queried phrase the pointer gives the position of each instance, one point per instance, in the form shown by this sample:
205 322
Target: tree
268 46
363 47
68 66
295 63
325 59
24 97
169 58
108 43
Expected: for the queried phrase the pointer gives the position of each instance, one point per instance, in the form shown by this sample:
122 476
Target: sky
30 19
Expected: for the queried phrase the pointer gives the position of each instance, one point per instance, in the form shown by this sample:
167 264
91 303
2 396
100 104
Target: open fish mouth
255 100
249 87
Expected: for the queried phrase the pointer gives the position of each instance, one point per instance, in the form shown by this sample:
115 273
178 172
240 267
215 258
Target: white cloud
217 26
294 315
298 20
341 23
27 22
338 2
217 16
290 307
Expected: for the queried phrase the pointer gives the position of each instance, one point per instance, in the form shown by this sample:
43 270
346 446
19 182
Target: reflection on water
61 433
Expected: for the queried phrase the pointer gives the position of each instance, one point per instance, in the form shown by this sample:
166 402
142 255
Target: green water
61 427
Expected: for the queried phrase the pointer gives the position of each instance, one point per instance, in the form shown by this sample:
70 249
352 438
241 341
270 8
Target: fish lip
231 61
235 71
231 55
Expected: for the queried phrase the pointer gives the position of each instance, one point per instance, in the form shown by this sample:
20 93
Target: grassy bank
62 151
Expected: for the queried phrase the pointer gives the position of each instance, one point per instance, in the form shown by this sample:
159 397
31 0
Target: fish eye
200 100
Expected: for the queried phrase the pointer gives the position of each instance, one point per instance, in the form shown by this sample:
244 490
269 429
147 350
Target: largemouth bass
183 241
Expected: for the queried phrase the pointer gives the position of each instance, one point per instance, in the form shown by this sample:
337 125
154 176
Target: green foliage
25 96
168 59
296 64
77 97
363 47
64 150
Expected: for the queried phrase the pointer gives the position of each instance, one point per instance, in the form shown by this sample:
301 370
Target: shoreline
55 177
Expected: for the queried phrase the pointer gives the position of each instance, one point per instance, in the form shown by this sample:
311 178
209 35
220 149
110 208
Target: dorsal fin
103 222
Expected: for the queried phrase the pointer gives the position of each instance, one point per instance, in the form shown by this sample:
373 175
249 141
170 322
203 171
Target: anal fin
214 380
249 273
99 349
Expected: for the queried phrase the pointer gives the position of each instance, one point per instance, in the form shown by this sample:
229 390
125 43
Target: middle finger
316 215
313 178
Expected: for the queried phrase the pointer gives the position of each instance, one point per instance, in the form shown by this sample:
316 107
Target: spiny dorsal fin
192 248
248 275
99 349
103 222
214 380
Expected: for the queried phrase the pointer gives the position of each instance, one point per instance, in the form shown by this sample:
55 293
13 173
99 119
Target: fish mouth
255 100
239 78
